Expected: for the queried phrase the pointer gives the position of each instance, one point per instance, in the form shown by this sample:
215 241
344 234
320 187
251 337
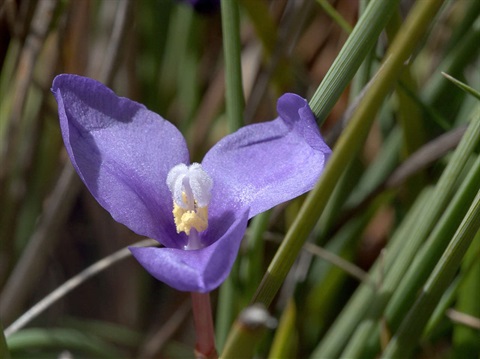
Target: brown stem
202 317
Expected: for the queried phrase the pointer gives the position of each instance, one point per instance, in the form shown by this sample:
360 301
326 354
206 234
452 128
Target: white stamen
191 190
192 181
175 183
200 183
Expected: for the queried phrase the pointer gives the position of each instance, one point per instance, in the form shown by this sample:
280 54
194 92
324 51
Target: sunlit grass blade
227 308
327 277
465 338
463 86
347 183
379 170
421 262
412 326
335 15
252 263
285 340
188 70
358 45
358 306
341 330
179 24
439 93
434 246
233 64
409 112
263 23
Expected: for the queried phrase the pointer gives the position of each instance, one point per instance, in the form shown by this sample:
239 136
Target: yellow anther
186 219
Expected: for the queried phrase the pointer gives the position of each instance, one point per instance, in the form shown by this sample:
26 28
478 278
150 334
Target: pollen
185 220
191 190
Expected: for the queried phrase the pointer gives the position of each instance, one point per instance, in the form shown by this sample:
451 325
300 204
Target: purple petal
200 270
268 163
122 152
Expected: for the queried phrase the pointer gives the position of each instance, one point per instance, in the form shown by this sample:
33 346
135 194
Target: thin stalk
233 64
335 15
234 108
21 281
358 45
437 92
438 316
285 338
342 191
263 23
363 74
227 307
463 86
252 270
202 317
71 284
410 114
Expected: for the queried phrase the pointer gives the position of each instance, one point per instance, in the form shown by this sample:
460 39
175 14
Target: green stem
227 307
335 15
437 92
233 64
285 336
254 258
358 45
234 108
410 114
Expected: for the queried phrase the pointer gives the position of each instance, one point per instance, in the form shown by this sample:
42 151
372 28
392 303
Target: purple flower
136 165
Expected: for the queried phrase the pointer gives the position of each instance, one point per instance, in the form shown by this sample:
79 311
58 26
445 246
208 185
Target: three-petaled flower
136 165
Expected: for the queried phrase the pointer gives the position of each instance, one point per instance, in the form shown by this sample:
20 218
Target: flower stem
202 317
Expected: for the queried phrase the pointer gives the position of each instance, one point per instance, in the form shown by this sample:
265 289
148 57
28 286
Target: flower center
191 190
